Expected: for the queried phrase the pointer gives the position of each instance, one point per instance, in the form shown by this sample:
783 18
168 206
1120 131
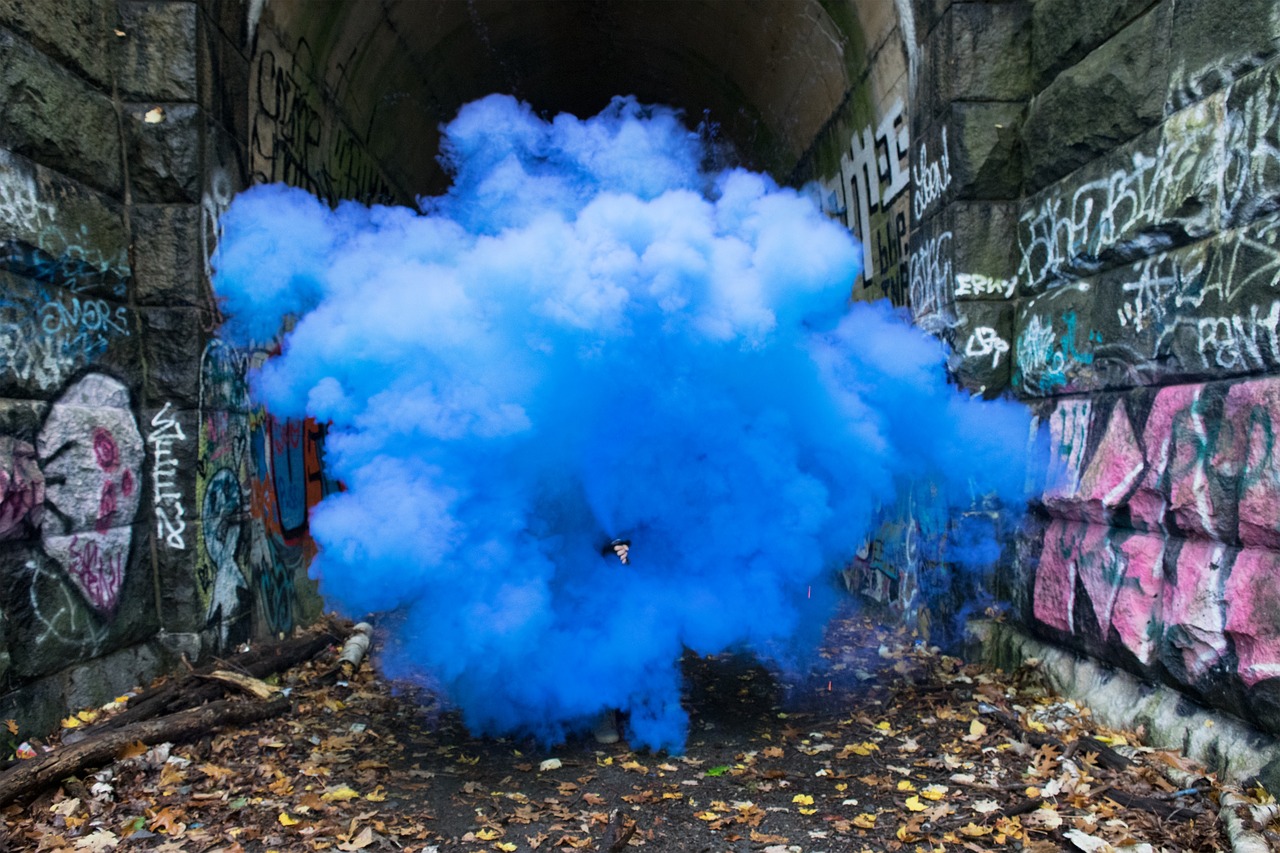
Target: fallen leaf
102 839
866 820
285 820
361 841
12 726
914 804
549 764
802 799
340 794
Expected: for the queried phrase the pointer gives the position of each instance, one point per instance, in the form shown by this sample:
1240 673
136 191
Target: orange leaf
131 750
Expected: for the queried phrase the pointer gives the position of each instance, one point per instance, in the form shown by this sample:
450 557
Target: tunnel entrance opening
767 76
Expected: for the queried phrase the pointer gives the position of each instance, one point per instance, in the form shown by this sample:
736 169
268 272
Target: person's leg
607 727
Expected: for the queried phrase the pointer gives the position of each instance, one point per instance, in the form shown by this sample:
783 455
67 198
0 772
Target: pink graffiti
105 451
98 573
1253 614
1248 410
1120 573
21 488
1194 605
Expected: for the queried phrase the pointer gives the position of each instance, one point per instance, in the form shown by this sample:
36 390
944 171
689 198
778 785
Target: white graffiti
929 179
20 203
1240 341
873 173
986 341
976 284
213 204
1060 235
167 494
932 284
1069 437
43 339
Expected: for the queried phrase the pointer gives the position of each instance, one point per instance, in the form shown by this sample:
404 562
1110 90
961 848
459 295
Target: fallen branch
33 775
1107 756
179 693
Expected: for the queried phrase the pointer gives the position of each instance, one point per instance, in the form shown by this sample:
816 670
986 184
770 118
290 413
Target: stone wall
146 509
1094 231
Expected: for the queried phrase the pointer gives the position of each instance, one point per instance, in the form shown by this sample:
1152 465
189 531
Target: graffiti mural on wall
71 498
258 477
870 195
1161 528
47 335
295 139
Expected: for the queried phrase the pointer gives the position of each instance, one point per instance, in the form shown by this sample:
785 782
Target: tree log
187 692
32 775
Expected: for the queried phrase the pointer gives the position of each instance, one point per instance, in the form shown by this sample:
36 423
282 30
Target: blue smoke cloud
588 337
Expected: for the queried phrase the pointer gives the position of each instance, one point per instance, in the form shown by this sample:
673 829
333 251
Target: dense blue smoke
591 337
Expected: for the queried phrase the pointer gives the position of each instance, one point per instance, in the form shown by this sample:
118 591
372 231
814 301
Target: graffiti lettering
167 493
986 341
930 179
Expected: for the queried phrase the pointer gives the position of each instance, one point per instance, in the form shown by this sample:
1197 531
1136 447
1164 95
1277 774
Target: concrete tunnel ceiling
770 74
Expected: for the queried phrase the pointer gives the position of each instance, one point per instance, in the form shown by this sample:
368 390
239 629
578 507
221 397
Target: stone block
36 707
48 336
172 340
980 350
931 179
1103 101
49 114
93 684
985 260
167 251
1193 604
157 58
76 33
1213 46
986 51
55 231
164 151
1063 32
1253 614
985 150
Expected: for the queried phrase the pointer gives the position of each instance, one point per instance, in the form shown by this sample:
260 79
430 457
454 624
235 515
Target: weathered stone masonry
1081 198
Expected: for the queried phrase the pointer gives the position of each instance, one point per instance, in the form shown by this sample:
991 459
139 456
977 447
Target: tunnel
768 78
1080 207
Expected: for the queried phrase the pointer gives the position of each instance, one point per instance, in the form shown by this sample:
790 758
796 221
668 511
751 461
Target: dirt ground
886 745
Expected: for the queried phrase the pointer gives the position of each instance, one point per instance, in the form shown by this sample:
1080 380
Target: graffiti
213 203
45 338
931 285
41 247
929 179
91 452
869 197
1060 235
1201 473
986 341
294 139
1045 361
167 494
975 284
1240 341
21 488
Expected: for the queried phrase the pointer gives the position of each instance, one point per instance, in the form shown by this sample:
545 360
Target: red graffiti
97 573
105 450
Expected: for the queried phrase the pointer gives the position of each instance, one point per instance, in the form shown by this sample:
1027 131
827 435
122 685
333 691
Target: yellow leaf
131 750
808 811
1033 793
70 723
706 816
285 820
377 795
905 785
12 726
914 804
884 726
973 830
487 834
802 799
934 792
604 762
842 787
865 820
467 759
339 794
634 766
506 846
87 716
